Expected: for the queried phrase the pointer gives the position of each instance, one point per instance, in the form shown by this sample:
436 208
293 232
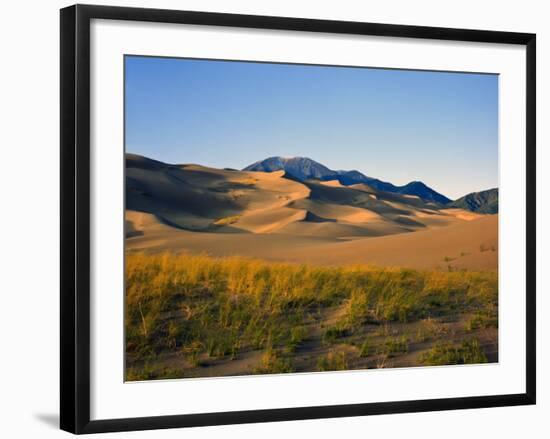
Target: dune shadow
408 222
312 218
178 173
227 229
133 233
228 186
209 229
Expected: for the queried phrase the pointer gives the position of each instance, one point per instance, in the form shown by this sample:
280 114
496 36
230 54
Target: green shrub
332 361
366 349
273 362
333 333
396 345
468 352
482 320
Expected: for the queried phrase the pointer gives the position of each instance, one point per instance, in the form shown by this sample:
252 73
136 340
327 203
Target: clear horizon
395 125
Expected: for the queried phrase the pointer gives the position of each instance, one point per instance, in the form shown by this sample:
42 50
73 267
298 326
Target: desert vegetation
197 316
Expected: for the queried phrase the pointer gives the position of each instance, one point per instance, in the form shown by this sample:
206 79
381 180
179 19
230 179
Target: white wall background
29 186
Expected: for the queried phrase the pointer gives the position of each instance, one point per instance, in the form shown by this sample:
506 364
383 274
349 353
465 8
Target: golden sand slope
267 215
470 245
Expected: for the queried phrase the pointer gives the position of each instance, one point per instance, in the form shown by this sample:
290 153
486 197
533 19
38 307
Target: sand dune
472 245
269 215
469 245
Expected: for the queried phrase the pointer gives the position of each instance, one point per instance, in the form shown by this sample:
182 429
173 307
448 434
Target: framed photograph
268 218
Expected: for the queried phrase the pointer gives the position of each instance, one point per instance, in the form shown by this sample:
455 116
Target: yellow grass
215 308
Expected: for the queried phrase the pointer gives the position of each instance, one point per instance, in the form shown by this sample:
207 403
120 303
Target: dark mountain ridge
303 168
481 202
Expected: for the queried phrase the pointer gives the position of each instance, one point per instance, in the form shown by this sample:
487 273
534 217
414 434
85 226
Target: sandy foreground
191 208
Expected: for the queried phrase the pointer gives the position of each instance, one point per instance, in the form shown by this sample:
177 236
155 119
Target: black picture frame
75 217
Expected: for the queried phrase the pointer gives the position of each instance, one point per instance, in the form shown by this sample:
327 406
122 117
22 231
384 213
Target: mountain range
481 202
304 168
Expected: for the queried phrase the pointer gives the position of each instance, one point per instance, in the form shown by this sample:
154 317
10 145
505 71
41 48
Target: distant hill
480 202
303 168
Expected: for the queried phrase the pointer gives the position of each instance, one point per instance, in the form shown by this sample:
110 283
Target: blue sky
396 125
